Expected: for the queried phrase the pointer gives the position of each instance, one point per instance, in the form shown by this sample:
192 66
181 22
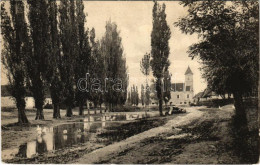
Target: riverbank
15 138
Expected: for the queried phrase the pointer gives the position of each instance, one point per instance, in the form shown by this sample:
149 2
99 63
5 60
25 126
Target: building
182 93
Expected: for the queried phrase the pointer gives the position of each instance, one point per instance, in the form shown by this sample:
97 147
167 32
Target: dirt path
109 151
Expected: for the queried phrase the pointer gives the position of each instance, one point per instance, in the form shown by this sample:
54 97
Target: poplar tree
160 48
115 66
68 36
97 71
54 61
142 95
136 96
15 49
82 57
37 62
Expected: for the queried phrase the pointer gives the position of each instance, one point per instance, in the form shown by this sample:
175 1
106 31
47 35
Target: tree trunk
22 118
20 104
39 102
95 104
109 107
159 95
160 107
81 109
100 108
39 114
69 111
56 111
259 96
240 120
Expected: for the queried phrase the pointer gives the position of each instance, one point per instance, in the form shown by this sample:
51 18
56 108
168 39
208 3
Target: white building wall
178 98
10 102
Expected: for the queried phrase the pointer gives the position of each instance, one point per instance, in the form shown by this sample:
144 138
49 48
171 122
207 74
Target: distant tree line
53 50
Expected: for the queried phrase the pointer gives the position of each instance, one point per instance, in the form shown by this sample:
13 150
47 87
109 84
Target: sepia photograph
130 82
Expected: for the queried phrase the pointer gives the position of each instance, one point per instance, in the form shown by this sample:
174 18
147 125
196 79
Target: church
182 93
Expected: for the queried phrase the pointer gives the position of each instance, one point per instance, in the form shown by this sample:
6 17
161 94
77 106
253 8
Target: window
178 96
184 102
188 96
180 102
187 88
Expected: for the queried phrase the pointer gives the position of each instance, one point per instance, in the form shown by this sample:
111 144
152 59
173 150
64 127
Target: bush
125 109
215 102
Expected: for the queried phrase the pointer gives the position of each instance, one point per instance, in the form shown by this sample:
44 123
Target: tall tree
15 48
229 47
145 65
115 66
160 48
37 62
97 71
142 95
82 57
68 35
129 98
54 61
147 95
145 69
133 95
136 96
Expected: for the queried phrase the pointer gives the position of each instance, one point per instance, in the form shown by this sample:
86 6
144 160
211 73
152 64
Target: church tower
188 80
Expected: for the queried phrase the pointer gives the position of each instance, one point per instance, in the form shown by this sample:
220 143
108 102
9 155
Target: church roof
188 71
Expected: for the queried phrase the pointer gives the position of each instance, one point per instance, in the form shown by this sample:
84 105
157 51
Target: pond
49 139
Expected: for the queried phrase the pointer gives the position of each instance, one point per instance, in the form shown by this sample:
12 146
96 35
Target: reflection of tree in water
41 146
32 148
59 141
57 138
74 135
22 151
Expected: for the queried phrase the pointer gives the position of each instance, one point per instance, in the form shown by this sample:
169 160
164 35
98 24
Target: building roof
178 87
188 71
208 93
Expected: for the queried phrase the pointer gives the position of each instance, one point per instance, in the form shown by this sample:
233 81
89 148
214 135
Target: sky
134 21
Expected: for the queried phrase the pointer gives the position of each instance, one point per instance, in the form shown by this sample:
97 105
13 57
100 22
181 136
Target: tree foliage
160 47
83 53
15 49
54 61
228 46
115 66
145 65
68 36
37 62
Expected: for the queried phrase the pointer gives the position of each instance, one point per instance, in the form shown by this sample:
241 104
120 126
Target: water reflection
66 135
117 117
32 151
